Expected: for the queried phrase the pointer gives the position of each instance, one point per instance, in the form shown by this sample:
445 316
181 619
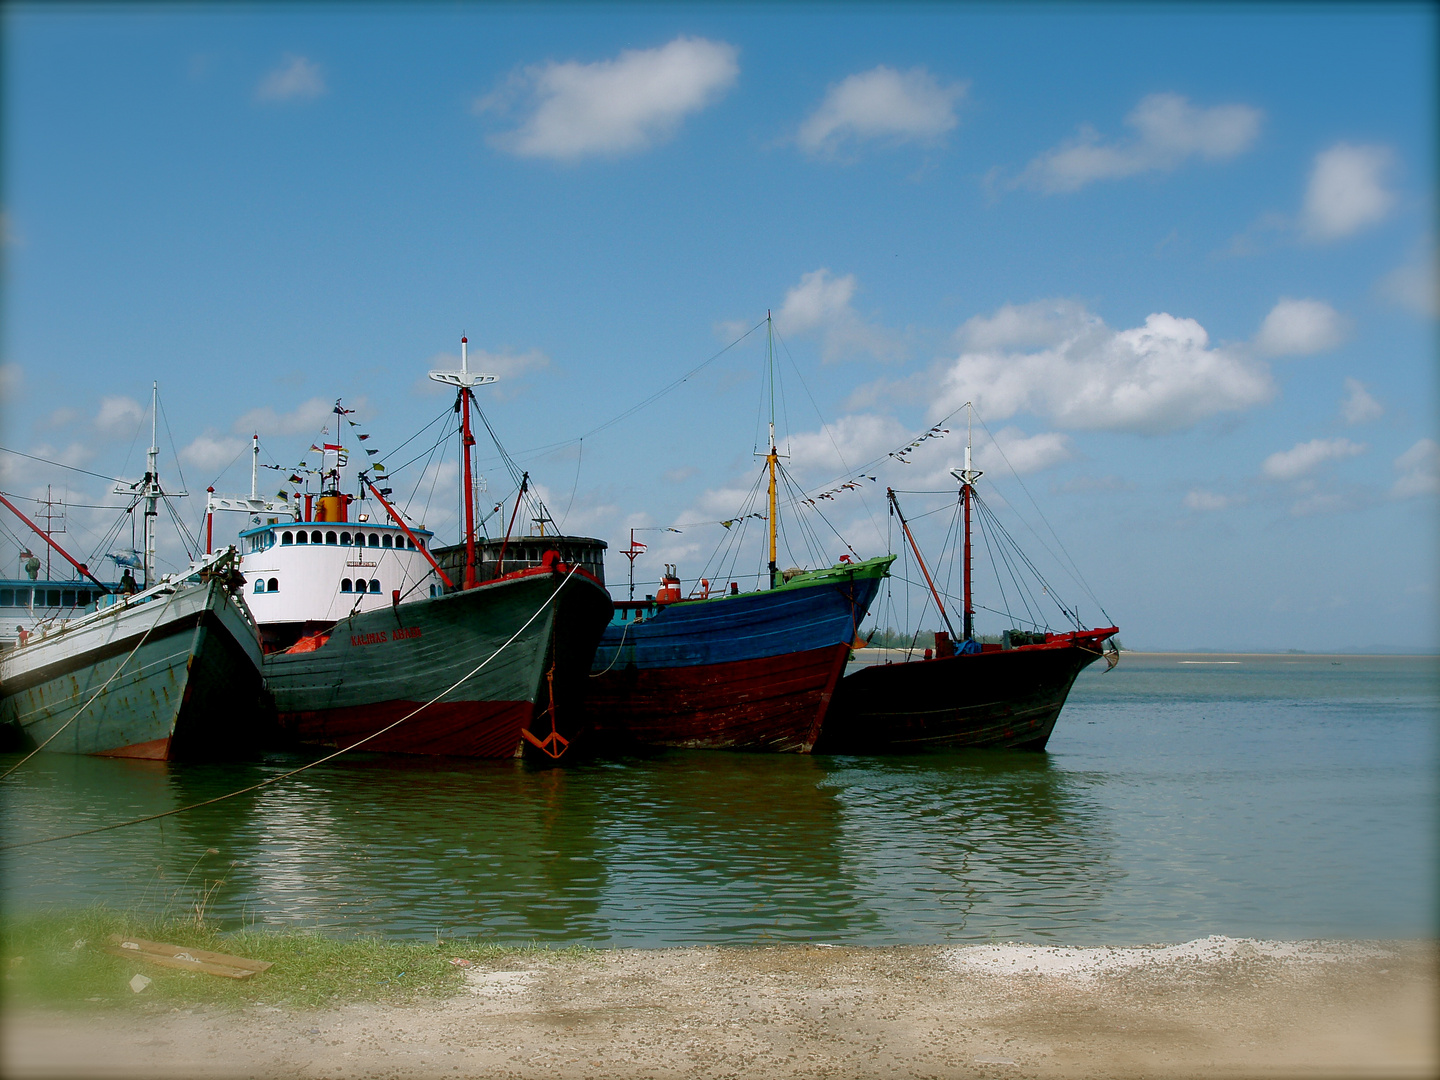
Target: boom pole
61 551
895 505
773 456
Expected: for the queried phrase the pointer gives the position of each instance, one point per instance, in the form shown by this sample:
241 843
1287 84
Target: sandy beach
1217 1007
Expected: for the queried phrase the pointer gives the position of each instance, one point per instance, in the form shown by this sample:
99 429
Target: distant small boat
1006 694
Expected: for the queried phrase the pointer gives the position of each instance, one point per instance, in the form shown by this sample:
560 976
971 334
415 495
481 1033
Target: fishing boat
370 641
964 693
164 669
731 670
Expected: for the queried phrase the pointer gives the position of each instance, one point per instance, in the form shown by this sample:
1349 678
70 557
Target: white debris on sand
1089 963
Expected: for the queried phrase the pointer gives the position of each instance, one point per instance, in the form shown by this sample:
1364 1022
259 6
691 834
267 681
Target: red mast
967 478
464 379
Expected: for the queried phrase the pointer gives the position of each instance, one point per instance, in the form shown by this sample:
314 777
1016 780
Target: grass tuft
57 959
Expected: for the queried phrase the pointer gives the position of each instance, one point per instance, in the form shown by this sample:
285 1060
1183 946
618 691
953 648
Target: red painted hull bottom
154 750
775 704
483 729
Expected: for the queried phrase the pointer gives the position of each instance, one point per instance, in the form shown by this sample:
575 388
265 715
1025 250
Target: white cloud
820 306
307 419
1414 286
61 417
898 106
612 106
1168 131
1345 192
1419 469
295 78
1081 374
119 416
1025 453
1199 499
1359 407
1300 327
860 437
211 452
1306 457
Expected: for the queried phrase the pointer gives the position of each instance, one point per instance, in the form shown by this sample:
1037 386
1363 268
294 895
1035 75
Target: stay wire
310 765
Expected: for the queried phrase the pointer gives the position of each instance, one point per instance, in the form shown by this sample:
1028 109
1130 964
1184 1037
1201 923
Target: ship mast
772 457
152 486
967 478
464 379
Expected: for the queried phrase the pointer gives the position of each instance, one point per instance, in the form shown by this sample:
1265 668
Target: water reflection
677 847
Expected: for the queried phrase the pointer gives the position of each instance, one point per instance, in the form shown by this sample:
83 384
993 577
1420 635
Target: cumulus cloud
1300 327
1168 129
307 418
895 106
1200 499
1346 191
1025 454
1414 286
1056 360
295 79
119 416
820 306
12 378
1419 469
212 452
1306 457
1359 407
572 110
845 444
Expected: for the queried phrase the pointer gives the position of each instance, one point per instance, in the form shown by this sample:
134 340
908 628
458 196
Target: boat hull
751 672
380 666
175 680
1010 698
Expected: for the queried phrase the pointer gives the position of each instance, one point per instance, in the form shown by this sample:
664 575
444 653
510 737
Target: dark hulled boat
370 641
1006 694
751 671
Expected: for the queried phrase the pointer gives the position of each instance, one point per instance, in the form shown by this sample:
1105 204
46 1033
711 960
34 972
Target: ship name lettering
407 632
368 639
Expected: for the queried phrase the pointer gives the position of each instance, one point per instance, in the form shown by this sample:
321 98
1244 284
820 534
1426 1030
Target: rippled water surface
1276 797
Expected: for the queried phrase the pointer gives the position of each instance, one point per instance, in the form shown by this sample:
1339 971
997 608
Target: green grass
57 959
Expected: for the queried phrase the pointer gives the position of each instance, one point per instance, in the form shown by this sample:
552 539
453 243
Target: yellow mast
772 457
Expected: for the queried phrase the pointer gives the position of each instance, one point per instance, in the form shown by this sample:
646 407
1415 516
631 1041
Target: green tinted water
1277 797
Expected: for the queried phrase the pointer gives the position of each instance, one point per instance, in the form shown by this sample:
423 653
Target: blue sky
1180 258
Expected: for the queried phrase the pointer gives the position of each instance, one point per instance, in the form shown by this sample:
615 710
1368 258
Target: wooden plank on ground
185 957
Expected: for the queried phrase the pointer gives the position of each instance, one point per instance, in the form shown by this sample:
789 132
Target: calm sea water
1277 797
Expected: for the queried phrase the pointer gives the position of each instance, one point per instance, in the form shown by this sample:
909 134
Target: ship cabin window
52 598
259 585
273 585
374 585
7 597
82 598
22 597
345 585
433 590
287 538
67 598
385 540
331 538
344 539
302 537
410 543
315 537
374 539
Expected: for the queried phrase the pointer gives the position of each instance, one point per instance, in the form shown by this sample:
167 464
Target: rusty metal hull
177 676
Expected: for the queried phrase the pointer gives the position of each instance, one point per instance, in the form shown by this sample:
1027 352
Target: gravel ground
1218 1007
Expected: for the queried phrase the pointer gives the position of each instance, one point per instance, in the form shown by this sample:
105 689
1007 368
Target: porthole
302 538
287 538
331 538
344 539
273 585
345 585
259 585
374 585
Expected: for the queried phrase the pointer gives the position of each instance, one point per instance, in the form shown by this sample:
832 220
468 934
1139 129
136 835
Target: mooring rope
319 761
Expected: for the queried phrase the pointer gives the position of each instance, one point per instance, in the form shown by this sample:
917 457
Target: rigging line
423 453
72 505
994 564
1001 537
579 456
1079 577
171 436
55 734
683 379
62 465
320 761
446 412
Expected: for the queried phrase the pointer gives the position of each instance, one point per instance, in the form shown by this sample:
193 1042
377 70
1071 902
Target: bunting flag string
901 455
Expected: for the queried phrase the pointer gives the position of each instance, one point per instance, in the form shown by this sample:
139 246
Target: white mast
152 487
